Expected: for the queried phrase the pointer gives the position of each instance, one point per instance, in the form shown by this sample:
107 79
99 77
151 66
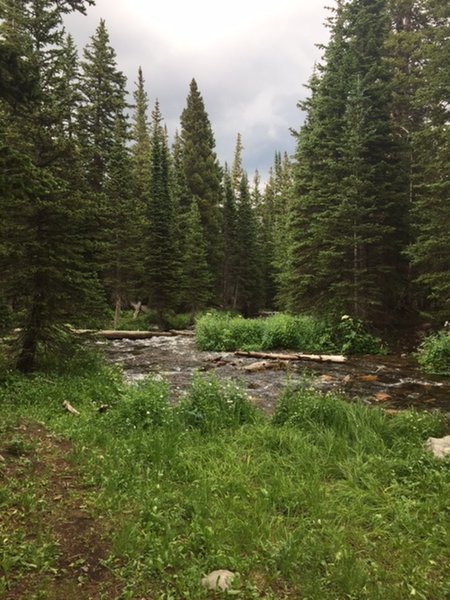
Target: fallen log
112 334
183 332
264 365
274 356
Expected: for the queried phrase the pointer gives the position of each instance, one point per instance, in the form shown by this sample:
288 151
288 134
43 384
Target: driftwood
264 365
300 356
70 408
113 334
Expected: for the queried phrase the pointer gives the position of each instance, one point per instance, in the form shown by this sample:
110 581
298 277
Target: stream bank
394 381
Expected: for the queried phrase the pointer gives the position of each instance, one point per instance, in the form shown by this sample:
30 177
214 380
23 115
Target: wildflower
345 317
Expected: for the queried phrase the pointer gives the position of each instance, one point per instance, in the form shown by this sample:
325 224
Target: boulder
440 447
220 580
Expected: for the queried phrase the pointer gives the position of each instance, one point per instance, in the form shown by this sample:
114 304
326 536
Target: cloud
250 58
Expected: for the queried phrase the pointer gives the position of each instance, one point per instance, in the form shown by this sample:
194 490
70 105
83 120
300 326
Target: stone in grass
440 447
221 580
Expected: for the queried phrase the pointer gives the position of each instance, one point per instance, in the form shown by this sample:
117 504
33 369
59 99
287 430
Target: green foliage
225 332
145 405
211 405
353 338
434 353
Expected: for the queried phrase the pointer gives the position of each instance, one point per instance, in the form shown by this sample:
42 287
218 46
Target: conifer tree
229 233
41 214
160 269
203 176
103 89
248 289
237 171
196 282
347 149
141 148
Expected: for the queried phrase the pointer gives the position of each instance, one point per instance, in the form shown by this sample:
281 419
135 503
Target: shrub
352 338
212 405
297 333
434 353
145 405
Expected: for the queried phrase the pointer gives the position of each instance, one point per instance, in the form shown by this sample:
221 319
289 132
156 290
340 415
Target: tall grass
224 332
330 500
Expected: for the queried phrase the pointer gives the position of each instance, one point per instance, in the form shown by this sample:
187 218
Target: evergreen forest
100 209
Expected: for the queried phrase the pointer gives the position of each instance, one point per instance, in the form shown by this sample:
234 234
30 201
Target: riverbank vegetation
434 353
327 499
228 332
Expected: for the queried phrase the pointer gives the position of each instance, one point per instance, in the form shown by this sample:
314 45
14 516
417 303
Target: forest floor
48 527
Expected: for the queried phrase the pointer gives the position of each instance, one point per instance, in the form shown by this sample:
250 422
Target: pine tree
160 271
430 251
196 282
347 220
229 233
41 214
121 252
103 89
140 135
248 289
203 176
237 171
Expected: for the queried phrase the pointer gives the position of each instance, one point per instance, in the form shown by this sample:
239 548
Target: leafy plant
212 405
353 338
434 353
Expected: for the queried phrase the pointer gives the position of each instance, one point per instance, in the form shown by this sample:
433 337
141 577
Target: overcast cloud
250 58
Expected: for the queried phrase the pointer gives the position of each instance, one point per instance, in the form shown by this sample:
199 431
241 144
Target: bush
352 338
212 405
145 405
434 353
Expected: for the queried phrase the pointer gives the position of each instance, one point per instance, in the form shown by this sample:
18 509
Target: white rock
440 447
218 580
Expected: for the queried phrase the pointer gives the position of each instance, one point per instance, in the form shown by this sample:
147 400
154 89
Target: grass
330 499
224 332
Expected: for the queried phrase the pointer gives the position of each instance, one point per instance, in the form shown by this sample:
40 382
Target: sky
250 58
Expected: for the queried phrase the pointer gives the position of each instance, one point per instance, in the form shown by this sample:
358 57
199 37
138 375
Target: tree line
99 209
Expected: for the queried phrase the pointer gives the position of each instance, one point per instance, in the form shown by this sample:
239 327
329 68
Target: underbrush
434 353
224 332
328 500
149 319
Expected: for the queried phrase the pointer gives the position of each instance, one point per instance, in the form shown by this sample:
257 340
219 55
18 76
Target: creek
394 381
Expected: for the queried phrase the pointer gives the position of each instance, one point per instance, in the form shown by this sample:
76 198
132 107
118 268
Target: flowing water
394 382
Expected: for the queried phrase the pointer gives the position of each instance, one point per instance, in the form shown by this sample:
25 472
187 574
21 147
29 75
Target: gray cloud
251 76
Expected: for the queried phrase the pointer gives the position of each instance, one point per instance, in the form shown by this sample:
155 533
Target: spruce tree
347 220
160 268
196 282
203 176
229 233
42 214
248 290
103 89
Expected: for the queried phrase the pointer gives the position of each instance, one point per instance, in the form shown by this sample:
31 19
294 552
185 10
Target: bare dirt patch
60 509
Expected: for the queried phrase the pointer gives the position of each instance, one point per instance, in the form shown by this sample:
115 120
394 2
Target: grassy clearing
329 500
224 332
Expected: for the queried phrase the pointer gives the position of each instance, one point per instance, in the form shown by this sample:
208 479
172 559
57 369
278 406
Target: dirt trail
82 542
